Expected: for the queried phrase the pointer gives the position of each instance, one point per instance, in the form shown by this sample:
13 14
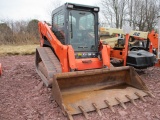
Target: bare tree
151 15
5 34
140 14
145 13
53 5
114 11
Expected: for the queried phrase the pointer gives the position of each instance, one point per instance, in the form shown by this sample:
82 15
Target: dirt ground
22 96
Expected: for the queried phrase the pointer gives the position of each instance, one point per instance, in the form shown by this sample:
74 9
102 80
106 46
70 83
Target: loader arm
111 31
139 35
59 48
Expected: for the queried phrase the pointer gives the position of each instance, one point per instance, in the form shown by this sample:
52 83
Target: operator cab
80 23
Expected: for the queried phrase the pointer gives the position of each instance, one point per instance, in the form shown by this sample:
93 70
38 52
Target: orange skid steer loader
78 68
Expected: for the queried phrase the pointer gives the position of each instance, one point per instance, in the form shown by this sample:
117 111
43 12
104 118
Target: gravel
23 96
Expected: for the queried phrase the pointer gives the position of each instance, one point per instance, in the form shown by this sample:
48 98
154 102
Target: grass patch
17 50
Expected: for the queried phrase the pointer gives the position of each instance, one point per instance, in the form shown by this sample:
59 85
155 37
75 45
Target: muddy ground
22 96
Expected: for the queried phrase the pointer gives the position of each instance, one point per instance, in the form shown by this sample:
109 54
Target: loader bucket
91 90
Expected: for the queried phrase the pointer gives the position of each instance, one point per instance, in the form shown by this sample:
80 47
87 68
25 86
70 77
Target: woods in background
139 14
19 32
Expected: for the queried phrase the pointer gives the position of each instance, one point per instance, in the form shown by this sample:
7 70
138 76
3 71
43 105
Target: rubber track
48 64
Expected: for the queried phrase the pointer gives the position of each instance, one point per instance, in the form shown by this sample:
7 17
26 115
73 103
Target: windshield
82 31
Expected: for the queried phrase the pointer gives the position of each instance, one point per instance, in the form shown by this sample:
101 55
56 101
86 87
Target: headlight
96 9
70 6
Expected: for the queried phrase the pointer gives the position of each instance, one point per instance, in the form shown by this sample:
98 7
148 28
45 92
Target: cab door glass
82 30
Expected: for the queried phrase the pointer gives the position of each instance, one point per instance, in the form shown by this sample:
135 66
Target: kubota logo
49 36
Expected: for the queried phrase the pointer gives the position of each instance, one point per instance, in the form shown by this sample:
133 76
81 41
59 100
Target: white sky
30 9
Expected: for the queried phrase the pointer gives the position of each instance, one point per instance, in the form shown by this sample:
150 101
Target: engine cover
141 59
